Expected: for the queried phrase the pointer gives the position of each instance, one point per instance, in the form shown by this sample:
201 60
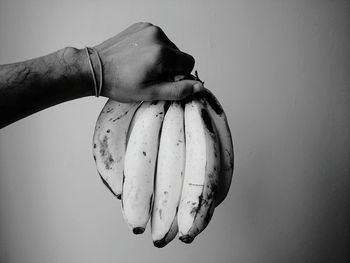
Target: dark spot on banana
207 120
160 213
138 230
160 243
186 239
108 162
121 116
108 131
209 214
165 192
95 158
104 145
107 156
95 145
144 153
164 241
201 185
195 210
212 101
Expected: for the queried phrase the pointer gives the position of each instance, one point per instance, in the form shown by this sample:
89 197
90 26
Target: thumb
176 90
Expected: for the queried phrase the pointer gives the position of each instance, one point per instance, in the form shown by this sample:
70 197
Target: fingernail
179 77
198 87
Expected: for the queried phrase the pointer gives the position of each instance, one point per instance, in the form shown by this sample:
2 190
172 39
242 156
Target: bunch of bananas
170 162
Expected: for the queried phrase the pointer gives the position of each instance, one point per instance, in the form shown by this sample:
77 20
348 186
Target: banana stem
196 77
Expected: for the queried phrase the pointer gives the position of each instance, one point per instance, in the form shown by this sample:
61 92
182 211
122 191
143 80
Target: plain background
281 72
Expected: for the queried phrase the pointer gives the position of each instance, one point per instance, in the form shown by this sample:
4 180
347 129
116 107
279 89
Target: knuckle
143 25
146 24
154 32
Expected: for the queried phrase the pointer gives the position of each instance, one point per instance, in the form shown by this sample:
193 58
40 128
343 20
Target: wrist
96 70
79 71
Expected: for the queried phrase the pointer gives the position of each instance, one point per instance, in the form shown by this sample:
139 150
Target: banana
169 176
201 172
218 116
139 165
109 142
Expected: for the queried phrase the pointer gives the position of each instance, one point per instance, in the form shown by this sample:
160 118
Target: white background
281 72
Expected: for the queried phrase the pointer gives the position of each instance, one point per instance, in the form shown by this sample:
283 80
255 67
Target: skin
137 65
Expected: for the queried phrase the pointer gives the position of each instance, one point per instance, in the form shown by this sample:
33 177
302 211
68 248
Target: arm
137 64
30 86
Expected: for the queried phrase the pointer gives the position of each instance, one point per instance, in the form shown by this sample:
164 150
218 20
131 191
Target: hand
140 64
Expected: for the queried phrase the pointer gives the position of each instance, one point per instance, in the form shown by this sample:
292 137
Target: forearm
30 86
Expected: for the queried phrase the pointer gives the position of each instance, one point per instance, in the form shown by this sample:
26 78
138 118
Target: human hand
140 63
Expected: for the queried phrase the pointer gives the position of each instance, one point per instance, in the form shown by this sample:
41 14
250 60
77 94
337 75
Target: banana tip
138 230
159 243
186 239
